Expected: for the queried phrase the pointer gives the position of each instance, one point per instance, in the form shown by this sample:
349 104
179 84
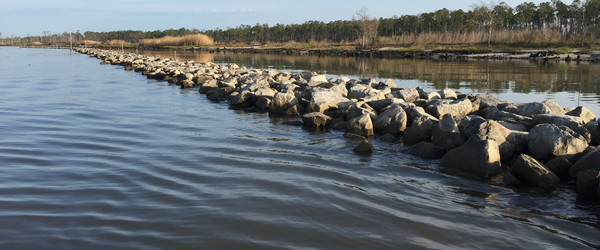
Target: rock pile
536 144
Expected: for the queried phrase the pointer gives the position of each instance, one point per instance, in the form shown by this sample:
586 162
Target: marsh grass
189 40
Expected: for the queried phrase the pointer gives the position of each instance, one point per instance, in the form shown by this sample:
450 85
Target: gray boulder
587 181
284 104
358 91
428 95
570 121
528 109
594 128
589 161
361 125
479 158
446 134
447 94
548 141
364 148
582 112
316 80
316 120
420 130
534 172
554 107
407 94
439 108
393 120
321 101
427 150
379 105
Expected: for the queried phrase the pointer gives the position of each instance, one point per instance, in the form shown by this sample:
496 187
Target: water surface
95 156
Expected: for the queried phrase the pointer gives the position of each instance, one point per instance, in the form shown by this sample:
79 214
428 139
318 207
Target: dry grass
89 43
499 37
116 43
189 40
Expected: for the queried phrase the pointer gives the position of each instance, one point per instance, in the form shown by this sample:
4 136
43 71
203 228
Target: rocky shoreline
537 144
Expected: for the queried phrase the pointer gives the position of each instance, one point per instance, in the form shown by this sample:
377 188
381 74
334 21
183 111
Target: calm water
94 156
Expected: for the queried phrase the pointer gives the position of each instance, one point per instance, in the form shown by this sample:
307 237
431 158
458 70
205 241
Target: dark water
94 156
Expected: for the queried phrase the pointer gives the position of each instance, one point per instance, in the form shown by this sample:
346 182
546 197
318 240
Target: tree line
578 22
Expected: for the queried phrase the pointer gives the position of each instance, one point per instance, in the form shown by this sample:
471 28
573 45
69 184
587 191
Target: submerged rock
364 148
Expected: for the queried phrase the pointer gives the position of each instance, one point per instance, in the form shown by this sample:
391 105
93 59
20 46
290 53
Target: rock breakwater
537 144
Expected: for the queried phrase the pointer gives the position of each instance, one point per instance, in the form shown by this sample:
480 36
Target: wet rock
284 104
427 150
316 120
548 141
393 120
407 94
446 134
587 181
364 148
293 123
478 158
589 161
361 125
447 94
582 112
534 172
420 130
239 98
559 166
340 125
459 107
594 128
554 107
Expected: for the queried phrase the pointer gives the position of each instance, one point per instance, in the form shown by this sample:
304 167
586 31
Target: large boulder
379 105
284 104
323 100
528 109
582 112
447 94
420 130
570 121
428 95
316 80
439 108
548 141
554 107
589 161
594 129
587 181
316 120
358 91
392 120
361 125
534 172
427 150
407 94
508 141
477 157
446 134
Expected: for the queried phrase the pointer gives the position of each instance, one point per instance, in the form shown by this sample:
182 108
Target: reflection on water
569 84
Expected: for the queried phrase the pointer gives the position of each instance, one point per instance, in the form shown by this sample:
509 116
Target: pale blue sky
32 17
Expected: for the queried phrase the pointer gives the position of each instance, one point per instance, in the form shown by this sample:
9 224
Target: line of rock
534 144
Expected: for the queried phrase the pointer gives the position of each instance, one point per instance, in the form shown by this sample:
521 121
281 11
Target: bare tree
487 15
368 27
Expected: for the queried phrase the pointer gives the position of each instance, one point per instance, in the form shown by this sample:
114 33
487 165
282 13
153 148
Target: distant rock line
537 144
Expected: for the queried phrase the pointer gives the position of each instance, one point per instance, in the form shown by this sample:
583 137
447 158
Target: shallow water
95 156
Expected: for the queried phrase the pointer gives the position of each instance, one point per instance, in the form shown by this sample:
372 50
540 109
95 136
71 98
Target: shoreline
534 145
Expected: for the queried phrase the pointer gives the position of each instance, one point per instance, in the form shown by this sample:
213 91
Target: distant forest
549 22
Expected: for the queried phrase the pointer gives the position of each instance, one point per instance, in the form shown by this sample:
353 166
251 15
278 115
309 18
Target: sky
33 17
